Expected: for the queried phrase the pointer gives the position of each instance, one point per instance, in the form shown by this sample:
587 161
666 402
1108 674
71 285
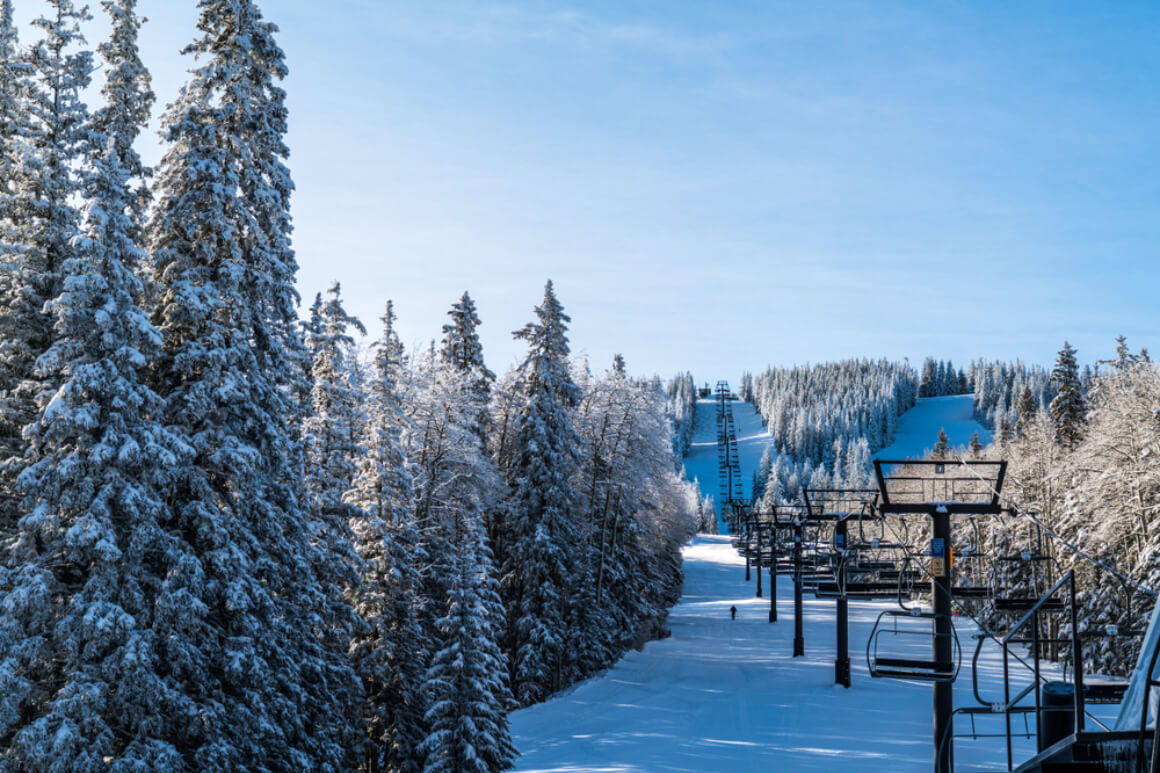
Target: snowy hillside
722 695
752 440
918 428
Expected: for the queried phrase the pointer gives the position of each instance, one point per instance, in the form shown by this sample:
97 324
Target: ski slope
722 695
918 428
701 462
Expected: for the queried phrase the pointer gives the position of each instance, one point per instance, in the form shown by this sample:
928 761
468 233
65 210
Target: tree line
1087 466
229 542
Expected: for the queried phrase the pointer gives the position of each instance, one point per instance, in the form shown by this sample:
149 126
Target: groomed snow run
918 428
724 696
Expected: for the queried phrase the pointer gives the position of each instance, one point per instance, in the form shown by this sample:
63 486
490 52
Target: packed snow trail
918 428
722 695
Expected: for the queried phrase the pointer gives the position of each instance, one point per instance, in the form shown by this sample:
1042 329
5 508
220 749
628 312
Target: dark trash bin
1056 713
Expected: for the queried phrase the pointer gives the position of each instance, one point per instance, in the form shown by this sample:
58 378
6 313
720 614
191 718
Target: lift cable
1012 505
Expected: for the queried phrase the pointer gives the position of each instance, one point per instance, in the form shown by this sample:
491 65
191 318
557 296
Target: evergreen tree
85 631
128 100
466 684
331 439
461 346
975 446
13 127
47 138
1026 409
389 652
1004 434
942 447
537 575
1069 408
928 382
332 430
271 691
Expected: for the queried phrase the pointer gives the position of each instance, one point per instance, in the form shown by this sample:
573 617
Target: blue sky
721 186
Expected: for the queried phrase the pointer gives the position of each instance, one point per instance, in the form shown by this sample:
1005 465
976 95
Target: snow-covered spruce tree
128 100
1069 408
682 409
85 681
41 215
975 446
466 686
942 447
1026 409
454 477
13 125
330 434
245 590
461 347
538 572
389 651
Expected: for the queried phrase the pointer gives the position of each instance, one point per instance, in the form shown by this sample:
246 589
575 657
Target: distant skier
733 612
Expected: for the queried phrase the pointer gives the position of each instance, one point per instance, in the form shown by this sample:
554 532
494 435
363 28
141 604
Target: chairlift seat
1103 689
971 592
907 668
1022 604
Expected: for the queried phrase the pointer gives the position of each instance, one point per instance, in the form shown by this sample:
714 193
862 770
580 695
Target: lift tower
939 489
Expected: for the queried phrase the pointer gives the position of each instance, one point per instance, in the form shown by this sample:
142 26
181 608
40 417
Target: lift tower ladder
728 461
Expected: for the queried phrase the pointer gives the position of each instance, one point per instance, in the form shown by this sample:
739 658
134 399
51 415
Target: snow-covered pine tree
761 474
928 382
454 476
682 409
13 125
467 683
246 591
331 437
128 100
456 484
461 346
40 210
389 651
542 546
1068 410
1027 409
942 447
86 683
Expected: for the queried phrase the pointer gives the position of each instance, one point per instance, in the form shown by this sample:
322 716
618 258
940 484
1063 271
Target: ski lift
901 625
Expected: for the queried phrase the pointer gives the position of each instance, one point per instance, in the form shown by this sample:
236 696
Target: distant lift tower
728 462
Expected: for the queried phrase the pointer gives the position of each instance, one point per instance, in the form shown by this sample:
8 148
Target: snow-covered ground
918 428
752 440
722 695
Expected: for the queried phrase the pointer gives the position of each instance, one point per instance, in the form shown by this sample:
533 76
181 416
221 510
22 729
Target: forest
230 541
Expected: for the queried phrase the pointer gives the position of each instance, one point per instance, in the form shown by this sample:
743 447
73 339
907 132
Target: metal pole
842 662
772 575
799 641
943 638
1077 656
745 542
757 525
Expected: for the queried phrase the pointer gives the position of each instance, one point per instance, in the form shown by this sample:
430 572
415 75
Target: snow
727 695
918 428
752 440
